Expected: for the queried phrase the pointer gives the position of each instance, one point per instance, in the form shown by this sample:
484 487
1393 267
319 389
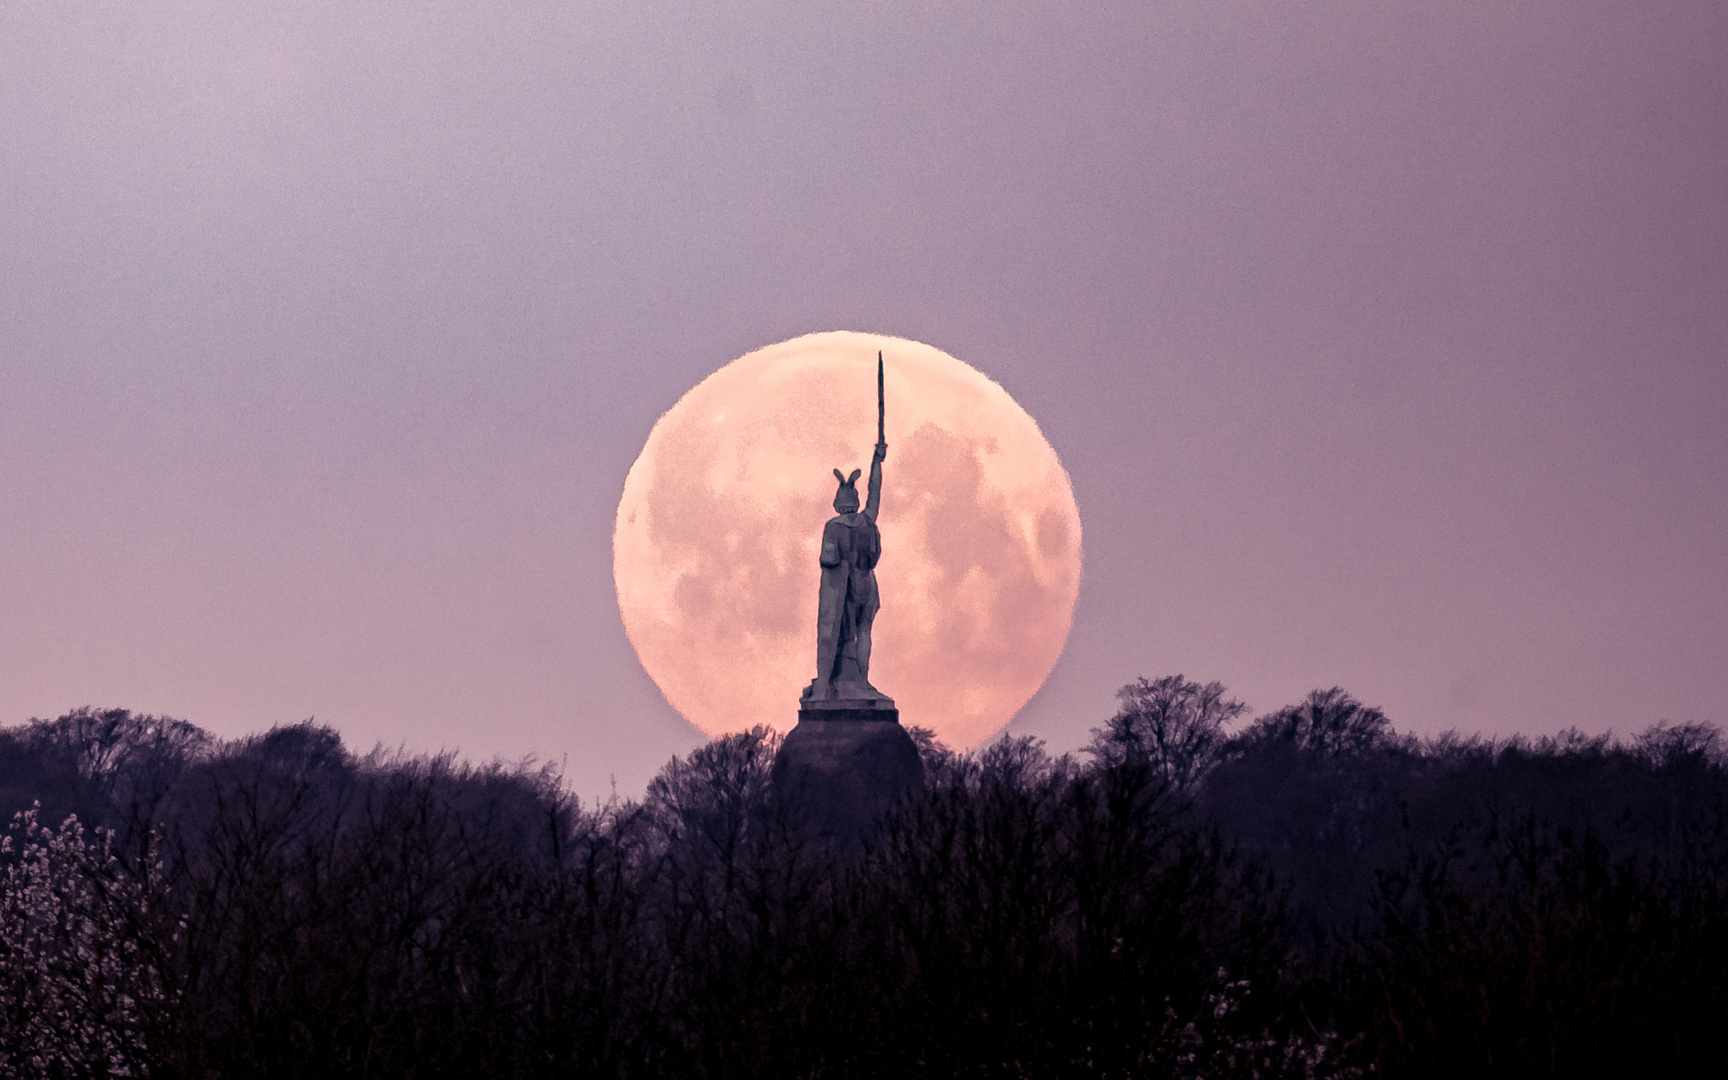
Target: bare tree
1327 722
1172 724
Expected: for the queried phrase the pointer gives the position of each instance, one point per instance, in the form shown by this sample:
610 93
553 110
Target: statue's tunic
851 546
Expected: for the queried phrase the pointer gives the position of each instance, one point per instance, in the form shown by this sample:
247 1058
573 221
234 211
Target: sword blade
881 407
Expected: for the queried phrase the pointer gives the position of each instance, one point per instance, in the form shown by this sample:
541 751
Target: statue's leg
828 638
866 618
827 652
845 672
864 647
830 610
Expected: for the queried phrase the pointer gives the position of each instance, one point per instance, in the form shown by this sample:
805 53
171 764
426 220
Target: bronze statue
848 759
851 546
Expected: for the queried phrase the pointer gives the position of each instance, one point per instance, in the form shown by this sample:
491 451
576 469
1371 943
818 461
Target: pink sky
1386 344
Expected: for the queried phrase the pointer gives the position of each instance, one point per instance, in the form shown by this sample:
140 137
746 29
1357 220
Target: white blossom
75 984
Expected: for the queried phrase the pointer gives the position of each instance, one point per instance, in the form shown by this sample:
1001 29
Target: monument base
869 710
840 776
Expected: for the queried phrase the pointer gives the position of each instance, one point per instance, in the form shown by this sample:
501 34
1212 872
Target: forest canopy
1196 893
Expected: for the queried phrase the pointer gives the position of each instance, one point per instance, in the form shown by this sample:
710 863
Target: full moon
715 548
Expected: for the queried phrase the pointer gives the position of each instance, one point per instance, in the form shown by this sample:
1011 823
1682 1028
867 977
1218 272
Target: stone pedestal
852 709
843 765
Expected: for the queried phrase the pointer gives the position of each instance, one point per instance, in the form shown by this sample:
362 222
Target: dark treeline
1195 895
